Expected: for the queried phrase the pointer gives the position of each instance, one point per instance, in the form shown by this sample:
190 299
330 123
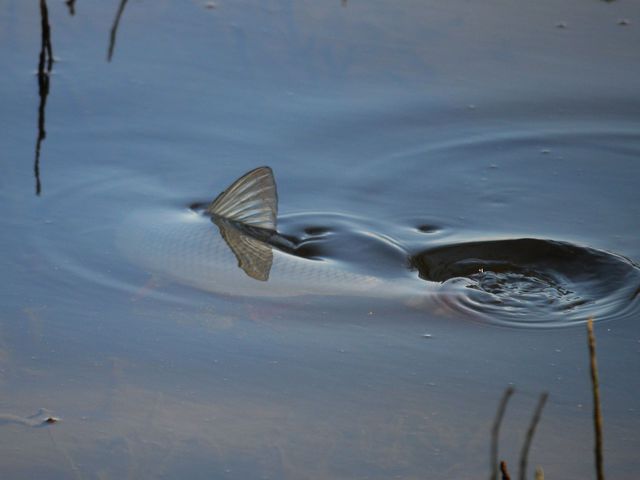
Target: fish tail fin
250 204
250 200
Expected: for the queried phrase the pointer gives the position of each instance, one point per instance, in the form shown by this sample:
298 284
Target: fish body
187 247
234 248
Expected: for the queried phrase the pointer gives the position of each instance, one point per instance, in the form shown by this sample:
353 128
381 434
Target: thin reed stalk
597 413
504 471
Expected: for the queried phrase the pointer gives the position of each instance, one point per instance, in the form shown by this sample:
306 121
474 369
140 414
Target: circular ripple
531 282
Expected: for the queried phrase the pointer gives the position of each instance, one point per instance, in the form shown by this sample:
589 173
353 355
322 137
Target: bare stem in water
504 471
597 414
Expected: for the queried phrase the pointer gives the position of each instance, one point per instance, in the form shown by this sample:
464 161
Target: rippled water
533 282
465 168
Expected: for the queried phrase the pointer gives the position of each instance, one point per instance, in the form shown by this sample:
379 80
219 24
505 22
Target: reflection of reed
72 6
114 29
45 63
495 431
524 454
501 467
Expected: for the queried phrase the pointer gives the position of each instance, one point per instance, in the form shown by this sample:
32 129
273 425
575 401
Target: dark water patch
353 241
199 207
531 282
316 231
426 228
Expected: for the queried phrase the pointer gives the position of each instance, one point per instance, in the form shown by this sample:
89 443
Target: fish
233 247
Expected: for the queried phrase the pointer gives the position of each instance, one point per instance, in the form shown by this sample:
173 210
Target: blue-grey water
412 141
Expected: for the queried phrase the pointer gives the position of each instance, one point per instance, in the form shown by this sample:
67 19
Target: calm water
413 142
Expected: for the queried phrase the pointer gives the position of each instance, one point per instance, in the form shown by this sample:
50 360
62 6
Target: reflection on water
45 64
72 6
494 460
114 29
254 257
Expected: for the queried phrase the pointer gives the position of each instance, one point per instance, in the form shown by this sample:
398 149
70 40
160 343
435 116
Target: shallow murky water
460 182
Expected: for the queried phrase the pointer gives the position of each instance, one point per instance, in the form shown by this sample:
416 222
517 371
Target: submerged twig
597 414
524 454
45 64
495 431
114 29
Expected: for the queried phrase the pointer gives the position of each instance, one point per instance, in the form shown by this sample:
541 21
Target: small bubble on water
561 25
624 22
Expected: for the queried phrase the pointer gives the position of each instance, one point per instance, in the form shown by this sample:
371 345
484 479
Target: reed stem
597 413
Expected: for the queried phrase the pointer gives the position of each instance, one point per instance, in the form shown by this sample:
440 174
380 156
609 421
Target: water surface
394 130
